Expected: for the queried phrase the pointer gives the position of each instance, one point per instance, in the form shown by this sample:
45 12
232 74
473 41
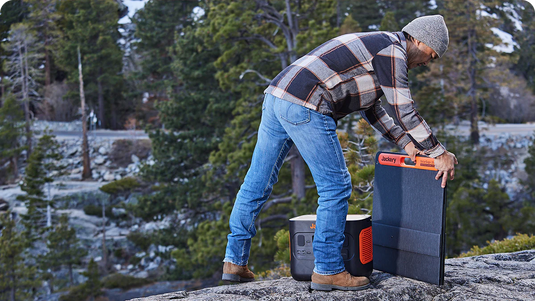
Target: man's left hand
412 151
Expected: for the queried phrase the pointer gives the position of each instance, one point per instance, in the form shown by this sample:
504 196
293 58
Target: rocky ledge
508 276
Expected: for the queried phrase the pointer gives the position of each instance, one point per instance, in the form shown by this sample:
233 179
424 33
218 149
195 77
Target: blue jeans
283 124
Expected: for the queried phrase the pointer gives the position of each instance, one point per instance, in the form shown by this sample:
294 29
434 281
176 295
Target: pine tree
194 120
17 278
10 13
252 55
389 23
11 131
92 26
93 284
157 26
405 11
43 19
63 248
462 76
41 169
23 69
530 170
526 40
349 25
366 12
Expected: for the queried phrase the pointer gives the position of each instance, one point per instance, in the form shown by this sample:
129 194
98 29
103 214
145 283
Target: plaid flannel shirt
350 73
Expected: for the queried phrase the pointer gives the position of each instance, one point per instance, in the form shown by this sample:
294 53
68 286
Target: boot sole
330 287
235 278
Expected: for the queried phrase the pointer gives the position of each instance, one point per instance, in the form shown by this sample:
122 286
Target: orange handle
405 161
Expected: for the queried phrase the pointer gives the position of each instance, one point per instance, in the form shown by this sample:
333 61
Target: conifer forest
183 81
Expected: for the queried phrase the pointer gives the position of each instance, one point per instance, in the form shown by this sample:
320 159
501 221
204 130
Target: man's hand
445 164
412 151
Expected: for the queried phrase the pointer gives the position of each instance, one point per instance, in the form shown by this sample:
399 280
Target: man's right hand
445 164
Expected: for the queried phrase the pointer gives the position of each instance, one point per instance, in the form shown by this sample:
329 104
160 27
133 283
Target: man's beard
412 53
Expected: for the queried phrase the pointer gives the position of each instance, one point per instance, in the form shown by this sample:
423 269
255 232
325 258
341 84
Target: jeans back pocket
294 113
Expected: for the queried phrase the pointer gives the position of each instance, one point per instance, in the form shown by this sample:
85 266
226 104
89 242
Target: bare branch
277 201
259 222
266 80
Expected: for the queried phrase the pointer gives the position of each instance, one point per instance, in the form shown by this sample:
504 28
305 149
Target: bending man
302 105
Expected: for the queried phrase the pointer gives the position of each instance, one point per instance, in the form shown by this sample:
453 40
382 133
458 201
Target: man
301 106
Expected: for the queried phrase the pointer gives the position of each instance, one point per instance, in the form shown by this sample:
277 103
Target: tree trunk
104 250
100 101
298 173
297 163
47 63
114 123
86 173
25 100
15 165
474 129
12 290
338 14
3 89
71 277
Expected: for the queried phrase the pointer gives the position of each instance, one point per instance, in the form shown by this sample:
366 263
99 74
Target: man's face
420 55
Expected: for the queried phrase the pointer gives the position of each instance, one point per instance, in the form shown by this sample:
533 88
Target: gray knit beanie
431 30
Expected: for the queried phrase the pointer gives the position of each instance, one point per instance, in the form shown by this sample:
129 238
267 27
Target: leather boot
236 273
342 281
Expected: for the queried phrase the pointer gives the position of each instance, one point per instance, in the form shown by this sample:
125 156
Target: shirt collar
401 37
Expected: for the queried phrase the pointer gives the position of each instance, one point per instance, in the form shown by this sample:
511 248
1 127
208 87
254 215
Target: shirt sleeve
384 124
390 65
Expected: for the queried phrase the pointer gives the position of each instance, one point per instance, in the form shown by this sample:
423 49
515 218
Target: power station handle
400 160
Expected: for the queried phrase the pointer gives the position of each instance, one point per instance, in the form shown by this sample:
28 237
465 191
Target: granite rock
509 276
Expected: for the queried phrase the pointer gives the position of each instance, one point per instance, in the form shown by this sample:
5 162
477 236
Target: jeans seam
333 145
265 188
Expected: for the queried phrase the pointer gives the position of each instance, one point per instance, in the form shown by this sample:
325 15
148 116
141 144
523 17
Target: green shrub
97 210
283 270
120 186
123 281
79 292
282 238
518 242
134 260
139 239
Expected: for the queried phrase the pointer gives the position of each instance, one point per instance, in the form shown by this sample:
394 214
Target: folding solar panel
409 218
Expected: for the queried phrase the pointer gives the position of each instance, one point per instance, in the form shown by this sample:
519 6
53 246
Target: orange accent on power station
399 160
366 245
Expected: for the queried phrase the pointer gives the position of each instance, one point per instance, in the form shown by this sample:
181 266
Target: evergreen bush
143 241
97 210
124 282
519 242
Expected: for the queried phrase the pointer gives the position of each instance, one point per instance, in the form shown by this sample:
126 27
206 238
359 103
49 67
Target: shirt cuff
403 141
436 151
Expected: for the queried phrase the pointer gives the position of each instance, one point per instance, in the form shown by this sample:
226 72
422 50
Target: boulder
109 176
4 205
99 160
73 150
507 276
118 211
103 151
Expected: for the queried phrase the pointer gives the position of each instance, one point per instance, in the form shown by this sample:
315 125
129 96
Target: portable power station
357 250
